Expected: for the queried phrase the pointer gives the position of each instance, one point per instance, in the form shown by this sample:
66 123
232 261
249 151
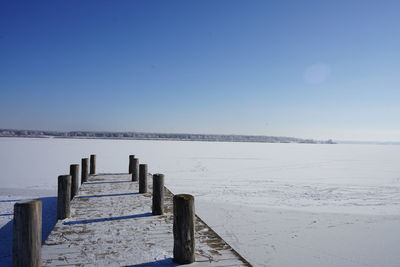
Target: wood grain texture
131 157
64 197
135 170
92 164
74 172
27 233
158 194
184 244
85 170
143 178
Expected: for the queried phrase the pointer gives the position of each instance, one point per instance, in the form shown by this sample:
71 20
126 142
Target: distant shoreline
367 142
156 136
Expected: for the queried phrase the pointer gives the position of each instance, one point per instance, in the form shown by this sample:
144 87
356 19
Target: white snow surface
276 204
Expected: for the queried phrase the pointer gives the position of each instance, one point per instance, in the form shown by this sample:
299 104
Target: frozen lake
277 204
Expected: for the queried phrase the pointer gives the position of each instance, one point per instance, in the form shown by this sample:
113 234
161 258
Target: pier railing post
85 170
158 194
92 164
184 229
27 234
64 197
131 157
74 172
142 178
135 169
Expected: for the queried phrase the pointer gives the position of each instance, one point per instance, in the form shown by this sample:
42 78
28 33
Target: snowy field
277 204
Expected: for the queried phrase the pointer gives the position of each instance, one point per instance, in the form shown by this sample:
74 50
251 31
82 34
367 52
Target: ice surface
277 204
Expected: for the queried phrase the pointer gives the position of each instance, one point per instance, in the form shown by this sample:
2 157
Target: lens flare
317 73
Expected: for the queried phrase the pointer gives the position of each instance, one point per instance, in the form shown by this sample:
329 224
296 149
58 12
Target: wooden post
74 172
184 229
131 157
142 178
64 197
158 194
135 169
85 170
27 234
92 164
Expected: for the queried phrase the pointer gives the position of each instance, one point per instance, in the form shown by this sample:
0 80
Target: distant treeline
158 136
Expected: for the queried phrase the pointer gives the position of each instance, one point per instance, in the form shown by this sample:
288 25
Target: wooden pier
111 224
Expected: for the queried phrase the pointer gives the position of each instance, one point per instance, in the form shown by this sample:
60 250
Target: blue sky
315 69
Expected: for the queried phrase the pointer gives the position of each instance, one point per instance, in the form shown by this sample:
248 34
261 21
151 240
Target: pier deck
112 225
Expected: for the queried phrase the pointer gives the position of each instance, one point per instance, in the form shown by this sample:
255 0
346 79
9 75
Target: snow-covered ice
276 204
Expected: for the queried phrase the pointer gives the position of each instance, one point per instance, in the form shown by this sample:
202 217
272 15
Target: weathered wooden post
92 164
85 170
64 197
142 178
135 169
131 157
27 234
74 172
158 194
184 229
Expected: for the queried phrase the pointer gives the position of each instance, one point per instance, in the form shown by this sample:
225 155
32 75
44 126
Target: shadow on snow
165 262
108 195
112 182
147 214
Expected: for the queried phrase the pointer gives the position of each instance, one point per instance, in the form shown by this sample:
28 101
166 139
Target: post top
65 176
184 197
158 175
28 202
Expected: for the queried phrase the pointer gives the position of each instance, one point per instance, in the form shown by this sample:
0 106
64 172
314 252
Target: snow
276 204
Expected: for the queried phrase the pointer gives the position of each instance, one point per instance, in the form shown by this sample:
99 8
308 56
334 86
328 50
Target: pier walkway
111 225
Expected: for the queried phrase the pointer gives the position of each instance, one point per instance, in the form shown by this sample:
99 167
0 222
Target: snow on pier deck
112 225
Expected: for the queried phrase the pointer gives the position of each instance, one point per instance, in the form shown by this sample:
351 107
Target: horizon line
150 132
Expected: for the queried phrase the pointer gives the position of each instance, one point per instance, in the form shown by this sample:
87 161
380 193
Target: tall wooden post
135 169
74 172
142 178
184 229
85 170
131 157
27 234
92 164
158 194
64 197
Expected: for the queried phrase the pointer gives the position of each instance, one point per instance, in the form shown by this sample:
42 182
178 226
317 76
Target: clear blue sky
317 69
